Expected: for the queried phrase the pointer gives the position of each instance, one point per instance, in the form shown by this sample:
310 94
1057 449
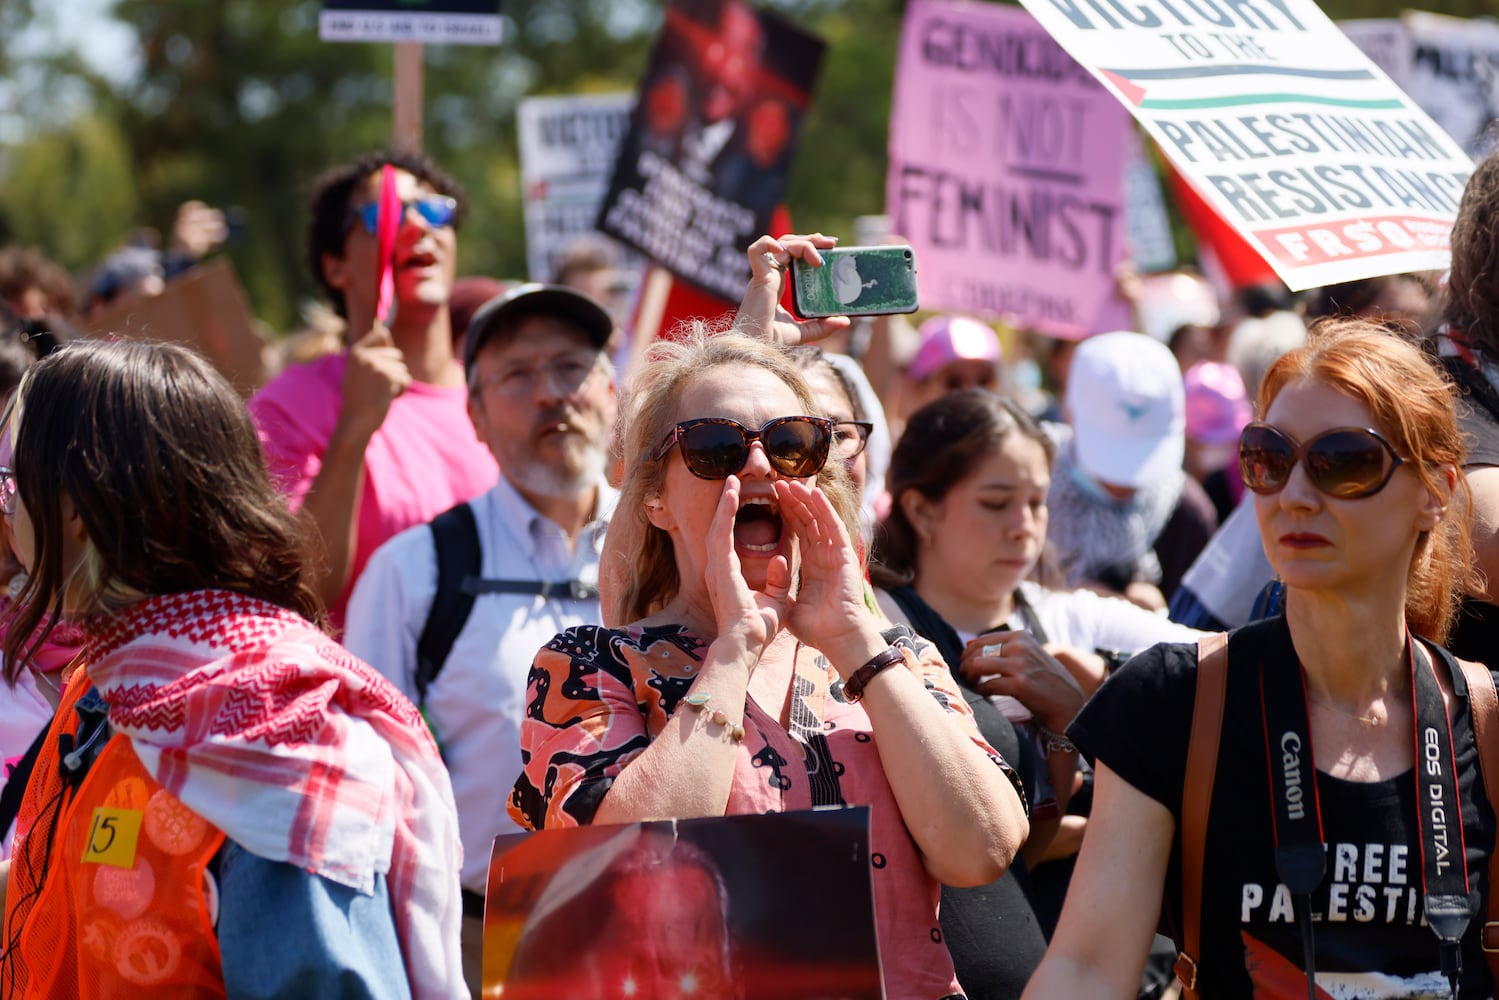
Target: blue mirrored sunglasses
437 210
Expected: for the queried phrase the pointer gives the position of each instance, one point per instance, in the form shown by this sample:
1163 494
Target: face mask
1090 487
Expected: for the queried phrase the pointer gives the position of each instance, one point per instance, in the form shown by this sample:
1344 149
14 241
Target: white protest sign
1305 146
1454 75
1146 223
451 22
567 150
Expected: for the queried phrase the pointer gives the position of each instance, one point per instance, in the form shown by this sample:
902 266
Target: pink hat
945 339
1217 408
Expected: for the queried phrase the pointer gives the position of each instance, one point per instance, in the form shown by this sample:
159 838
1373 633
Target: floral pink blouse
598 696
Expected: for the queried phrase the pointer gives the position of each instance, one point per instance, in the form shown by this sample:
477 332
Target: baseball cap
126 267
1217 409
945 339
535 299
1125 397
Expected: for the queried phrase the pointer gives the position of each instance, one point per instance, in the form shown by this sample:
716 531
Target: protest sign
1454 75
204 309
1006 168
450 22
1384 41
1146 223
641 909
567 151
1286 128
711 139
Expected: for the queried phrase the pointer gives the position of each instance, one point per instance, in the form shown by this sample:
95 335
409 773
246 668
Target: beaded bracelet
699 701
853 688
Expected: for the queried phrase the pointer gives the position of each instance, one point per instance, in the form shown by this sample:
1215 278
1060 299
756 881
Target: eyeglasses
10 493
1346 462
437 210
563 375
850 438
717 447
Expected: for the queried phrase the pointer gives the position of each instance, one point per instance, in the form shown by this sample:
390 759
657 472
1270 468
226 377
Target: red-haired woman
1323 871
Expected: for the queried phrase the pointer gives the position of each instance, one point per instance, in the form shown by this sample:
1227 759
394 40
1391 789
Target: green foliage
72 193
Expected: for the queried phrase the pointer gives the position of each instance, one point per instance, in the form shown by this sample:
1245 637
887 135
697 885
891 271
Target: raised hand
829 609
376 374
760 313
754 616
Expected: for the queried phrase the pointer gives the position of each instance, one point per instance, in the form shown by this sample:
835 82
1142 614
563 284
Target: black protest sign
711 139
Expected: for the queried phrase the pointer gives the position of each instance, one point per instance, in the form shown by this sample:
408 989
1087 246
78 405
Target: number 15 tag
112 837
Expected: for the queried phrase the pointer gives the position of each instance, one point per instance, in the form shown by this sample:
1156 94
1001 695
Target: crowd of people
1179 667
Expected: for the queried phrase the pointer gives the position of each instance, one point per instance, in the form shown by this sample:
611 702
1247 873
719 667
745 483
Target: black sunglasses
717 447
1345 462
437 210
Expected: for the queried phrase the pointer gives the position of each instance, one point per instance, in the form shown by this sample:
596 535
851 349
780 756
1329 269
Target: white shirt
475 705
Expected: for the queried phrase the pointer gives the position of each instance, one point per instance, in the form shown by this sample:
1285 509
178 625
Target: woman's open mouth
757 525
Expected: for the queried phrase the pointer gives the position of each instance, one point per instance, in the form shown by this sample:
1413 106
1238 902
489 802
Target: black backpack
455 534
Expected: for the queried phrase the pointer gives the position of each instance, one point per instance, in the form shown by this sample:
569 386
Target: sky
60 25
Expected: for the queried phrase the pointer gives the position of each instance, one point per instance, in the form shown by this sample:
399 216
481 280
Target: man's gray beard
541 479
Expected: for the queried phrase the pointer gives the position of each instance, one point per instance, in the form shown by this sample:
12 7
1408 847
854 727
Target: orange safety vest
126 908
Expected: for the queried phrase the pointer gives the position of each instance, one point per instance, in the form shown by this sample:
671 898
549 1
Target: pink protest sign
1006 168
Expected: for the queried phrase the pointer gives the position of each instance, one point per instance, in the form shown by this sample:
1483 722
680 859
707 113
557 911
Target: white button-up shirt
476 703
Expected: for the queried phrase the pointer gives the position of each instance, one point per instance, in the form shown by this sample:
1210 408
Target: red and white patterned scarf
294 748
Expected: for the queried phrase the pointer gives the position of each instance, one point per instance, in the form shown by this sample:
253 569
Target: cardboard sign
451 22
567 150
711 140
1286 128
1006 168
762 907
204 309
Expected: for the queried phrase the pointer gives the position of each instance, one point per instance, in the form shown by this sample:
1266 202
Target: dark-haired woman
240 807
1330 864
1468 346
956 558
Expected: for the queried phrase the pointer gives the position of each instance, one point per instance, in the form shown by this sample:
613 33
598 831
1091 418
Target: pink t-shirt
423 459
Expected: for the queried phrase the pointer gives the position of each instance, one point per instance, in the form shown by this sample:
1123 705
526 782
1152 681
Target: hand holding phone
857 281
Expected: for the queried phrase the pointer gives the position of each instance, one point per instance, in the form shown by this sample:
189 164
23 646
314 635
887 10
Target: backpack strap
1483 705
1197 798
455 535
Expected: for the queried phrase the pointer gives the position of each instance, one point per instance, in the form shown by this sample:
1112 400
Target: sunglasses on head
437 210
717 447
1345 462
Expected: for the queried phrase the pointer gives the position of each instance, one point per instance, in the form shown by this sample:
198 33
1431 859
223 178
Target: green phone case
856 281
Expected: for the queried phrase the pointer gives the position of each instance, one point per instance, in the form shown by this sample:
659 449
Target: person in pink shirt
376 438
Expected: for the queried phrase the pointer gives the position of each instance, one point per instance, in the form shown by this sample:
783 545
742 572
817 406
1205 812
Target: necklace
1363 720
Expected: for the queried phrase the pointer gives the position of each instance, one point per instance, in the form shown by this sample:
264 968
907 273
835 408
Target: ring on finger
770 259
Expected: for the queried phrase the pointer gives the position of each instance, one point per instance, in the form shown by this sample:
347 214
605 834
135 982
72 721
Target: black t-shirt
1370 938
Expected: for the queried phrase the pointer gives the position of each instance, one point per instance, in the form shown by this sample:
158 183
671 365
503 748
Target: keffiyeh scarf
299 752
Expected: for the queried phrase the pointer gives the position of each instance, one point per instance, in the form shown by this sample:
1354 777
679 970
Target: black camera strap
1300 851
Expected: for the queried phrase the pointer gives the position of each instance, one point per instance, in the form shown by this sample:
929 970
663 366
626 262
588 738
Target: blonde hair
1414 405
639 565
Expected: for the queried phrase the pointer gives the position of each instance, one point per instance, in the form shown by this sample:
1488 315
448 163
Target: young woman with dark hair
958 558
230 761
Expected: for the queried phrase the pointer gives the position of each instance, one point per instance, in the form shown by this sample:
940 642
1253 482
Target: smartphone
856 281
